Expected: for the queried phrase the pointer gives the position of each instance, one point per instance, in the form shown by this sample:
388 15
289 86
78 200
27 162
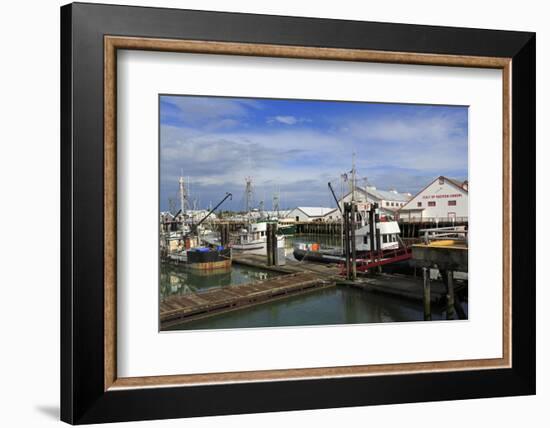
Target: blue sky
295 147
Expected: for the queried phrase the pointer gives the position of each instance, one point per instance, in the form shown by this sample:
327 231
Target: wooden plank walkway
290 266
187 307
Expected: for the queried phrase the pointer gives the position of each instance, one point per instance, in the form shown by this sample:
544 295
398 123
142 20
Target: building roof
389 195
314 211
457 183
280 213
385 195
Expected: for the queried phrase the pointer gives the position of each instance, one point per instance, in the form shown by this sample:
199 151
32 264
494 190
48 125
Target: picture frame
91 391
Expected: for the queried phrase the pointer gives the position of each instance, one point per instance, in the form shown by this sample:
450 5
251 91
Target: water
337 305
180 280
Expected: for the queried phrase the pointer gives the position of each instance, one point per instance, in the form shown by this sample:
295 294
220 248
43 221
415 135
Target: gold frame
113 43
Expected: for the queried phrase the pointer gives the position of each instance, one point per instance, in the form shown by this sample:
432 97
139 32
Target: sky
295 147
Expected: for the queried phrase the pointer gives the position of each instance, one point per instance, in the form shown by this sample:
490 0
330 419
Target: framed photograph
266 213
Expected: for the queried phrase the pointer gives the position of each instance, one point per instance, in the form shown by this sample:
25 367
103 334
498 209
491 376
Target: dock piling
353 213
450 296
427 295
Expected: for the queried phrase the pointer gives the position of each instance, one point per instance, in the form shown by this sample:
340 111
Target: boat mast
248 193
183 196
353 178
275 203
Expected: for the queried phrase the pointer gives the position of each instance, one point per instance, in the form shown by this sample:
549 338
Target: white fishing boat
389 232
389 240
253 239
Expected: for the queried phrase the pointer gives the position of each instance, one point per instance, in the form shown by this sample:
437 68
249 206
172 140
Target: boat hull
288 230
317 256
204 259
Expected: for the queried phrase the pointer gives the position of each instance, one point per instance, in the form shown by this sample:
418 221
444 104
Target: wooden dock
295 278
192 306
404 287
291 266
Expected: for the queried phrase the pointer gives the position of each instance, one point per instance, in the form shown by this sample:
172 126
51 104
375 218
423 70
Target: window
419 204
431 203
385 239
297 218
366 239
392 204
387 204
441 180
452 203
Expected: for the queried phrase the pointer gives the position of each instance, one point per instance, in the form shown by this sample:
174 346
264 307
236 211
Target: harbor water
333 306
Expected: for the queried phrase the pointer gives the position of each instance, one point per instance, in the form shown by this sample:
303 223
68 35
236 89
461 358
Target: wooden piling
269 246
427 295
353 213
274 249
347 252
450 296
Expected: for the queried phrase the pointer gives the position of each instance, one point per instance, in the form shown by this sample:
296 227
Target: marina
353 251
215 296
358 250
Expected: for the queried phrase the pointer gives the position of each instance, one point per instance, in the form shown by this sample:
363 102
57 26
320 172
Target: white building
444 199
389 201
308 213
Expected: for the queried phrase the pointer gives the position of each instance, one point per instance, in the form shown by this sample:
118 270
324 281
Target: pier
445 249
295 278
404 287
192 306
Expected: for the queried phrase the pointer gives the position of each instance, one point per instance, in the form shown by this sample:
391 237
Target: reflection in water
338 305
180 280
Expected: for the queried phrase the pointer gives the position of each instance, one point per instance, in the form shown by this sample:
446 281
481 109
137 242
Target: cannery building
444 199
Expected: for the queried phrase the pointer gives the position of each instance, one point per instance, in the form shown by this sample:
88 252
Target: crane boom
227 195
334 196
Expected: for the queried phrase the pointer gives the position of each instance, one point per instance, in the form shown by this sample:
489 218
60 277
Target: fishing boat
191 251
389 240
253 239
287 229
209 258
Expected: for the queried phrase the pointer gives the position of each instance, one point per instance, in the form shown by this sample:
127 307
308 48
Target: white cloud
404 152
287 120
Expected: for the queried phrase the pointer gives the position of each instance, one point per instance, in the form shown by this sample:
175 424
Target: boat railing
455 233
